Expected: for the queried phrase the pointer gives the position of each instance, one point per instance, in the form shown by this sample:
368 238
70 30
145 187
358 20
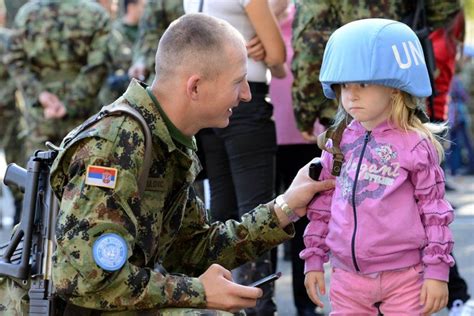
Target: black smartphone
265 280
315 170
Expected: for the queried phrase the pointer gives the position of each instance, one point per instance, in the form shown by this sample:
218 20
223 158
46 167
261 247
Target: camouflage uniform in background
166 225
158 14
313 24
59 47
122 39
10 123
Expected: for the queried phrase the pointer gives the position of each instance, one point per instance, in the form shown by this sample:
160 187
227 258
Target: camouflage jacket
8 88
315 21
167 225
158 14
9 115
120 45
60 47
121 41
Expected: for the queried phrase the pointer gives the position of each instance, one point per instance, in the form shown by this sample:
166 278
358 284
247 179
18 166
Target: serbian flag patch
101 176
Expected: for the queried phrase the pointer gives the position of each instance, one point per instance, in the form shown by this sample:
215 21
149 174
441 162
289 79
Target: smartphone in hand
315 170
269 278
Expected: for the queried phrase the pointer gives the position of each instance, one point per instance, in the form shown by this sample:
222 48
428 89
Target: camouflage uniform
313 24
158 14
168 225
121 41
59 47
10 123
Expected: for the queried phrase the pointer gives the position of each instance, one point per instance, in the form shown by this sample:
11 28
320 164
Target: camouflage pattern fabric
120 44
9 115
59 47
158 14
313 24
167 225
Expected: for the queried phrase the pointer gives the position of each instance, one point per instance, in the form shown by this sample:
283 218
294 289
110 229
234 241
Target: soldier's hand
52 106
303 189
255 49
223 294
309 136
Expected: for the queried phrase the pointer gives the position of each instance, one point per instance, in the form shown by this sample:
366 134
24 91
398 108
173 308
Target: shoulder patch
101 176
110 252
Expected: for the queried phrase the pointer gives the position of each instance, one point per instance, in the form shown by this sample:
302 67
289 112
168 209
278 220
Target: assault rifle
28 254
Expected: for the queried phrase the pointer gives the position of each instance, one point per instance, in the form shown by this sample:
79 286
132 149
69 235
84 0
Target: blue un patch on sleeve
110 252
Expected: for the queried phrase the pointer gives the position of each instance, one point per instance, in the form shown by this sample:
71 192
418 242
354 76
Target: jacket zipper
354 260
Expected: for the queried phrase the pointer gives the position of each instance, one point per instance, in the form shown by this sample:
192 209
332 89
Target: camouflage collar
137 96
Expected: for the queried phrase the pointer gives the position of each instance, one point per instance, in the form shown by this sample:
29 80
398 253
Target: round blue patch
110 252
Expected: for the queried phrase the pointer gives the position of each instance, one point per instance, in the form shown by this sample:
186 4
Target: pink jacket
397 217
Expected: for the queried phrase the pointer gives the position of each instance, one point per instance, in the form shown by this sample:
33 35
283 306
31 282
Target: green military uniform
9 116
313 24
168 225
122 39
10 122
158 14
60 47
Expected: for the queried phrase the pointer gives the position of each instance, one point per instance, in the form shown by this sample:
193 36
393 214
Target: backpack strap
118 110
335 134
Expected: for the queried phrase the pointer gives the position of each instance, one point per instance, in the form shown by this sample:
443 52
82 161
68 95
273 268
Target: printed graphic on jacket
378 169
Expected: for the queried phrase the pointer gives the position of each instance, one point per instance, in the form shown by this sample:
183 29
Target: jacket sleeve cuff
437 272
313 263
181 291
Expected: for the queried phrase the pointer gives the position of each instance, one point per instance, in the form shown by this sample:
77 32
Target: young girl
385 224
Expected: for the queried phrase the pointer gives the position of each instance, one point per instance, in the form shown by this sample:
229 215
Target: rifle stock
28 254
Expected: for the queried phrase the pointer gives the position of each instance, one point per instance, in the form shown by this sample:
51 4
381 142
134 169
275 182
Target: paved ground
463 228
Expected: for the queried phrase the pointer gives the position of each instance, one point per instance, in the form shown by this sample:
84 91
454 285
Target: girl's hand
312 280
255 49
434 296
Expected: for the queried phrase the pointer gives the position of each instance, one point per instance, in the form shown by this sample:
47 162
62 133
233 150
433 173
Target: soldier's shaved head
196 43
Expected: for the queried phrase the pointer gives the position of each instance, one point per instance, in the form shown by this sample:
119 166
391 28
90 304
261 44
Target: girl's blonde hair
403 116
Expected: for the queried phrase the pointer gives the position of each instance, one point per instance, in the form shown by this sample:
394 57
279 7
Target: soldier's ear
193 87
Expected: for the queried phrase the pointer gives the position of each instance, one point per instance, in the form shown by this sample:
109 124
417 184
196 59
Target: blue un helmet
375 51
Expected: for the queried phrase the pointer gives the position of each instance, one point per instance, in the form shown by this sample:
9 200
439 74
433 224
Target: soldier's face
227 90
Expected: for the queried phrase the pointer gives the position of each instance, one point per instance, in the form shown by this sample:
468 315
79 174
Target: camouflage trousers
15 302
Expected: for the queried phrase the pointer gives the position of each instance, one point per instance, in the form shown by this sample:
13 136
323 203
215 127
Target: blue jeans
240 162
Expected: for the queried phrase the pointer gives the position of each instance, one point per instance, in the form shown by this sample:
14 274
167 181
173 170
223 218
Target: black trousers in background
240 163
290 159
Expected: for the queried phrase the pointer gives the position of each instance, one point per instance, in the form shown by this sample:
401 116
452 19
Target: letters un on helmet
376 51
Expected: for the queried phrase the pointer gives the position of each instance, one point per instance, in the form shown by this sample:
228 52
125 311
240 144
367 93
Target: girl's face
369 104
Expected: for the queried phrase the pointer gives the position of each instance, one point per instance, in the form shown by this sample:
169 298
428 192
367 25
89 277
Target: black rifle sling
117 110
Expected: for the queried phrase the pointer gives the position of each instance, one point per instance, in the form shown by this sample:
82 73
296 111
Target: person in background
461 150
240 158
157 17
57 57
122 38
10 117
